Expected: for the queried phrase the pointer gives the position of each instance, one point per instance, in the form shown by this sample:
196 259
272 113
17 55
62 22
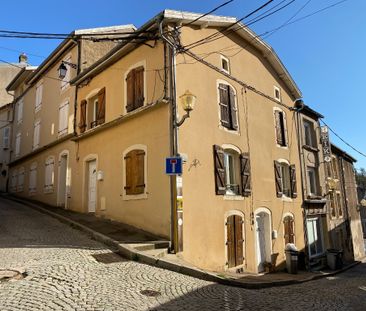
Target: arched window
285 179
49 174
280 127
228 108
135 87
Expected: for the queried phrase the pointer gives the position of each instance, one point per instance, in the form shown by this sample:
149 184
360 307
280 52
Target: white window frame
314 180
19 109
318 221
17 144
32 187
6 137
223 58
63 119
39 96
36 134
284 127
49 174
134 196
275 90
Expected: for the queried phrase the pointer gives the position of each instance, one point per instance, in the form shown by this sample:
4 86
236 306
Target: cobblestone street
66 270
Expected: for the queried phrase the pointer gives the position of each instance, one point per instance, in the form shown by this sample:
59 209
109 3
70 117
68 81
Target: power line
348 144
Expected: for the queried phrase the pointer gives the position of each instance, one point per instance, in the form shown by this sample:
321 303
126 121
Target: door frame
268 235
85 197
67 178
226 216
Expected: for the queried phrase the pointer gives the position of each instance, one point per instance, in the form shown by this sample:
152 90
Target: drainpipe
76 86
173 133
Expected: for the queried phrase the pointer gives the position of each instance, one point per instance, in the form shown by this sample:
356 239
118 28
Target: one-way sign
173 166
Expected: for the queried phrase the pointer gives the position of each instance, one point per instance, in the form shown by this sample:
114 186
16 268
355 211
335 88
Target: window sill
310 148
233 197
127 197
285 198
235 132
281 146
48 190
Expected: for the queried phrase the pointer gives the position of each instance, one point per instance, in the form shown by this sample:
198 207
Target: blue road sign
173 166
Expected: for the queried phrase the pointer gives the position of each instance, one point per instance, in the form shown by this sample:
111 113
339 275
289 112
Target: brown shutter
289 234
224 105
135 174
82 123
130 81
129 173
139 87
230 242
233 110
278 179
293 181
279 123
246 188
239 240
220 177
140 172
101 106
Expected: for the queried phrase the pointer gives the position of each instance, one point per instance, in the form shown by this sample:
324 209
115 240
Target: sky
324 53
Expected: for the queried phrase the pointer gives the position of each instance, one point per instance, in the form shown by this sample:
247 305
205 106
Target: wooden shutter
220 176
230 241
278 179
224 105
233 110
139 87
129 174
246 187
293 181
289 233
135 172
101 107
82 123
239 254
279 124
130 81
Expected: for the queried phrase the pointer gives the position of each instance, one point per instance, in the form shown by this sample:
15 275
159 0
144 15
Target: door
62 181
234 241
92 186
262 239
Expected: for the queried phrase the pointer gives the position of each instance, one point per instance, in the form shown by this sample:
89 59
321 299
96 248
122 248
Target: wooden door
234 241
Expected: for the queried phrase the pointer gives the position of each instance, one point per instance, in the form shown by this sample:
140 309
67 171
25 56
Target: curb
131 254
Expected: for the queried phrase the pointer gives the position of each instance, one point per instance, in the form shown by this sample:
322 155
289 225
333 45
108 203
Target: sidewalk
144 247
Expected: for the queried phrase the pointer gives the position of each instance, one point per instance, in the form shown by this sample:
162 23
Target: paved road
66 270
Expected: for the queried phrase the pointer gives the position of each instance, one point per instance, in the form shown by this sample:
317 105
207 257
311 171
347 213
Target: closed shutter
293 181
140 172
63 118
17 144
20 185
139 87
14 180
289 233
82 123
129 174
224 105
101 107
130 90
278 179
135 172
37 128
220 176
20 111
233 110
246 187
49 174
230 241
239 240
33 178
279 124
6 137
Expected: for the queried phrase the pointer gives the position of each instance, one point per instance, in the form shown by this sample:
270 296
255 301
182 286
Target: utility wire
348 144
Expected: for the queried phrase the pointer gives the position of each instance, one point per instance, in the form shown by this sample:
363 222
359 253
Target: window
339 203
39 94
6 137
289 230
49 175
36 133
13 182
232 172
33 178
135 88
228 111
225 65
314 232
335 173
277 93
92 112
17 144
332 204
285 179
20 185
309 133
312 181
63 119
19 110
65 81
280 126
135 171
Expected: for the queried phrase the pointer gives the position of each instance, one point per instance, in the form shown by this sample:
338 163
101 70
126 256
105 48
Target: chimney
23 59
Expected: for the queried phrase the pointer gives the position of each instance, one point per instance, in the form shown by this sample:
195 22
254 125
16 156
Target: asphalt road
66 270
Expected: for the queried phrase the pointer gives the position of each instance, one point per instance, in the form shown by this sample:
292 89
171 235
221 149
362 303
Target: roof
69 42
305 109
342 153
20 77
209 20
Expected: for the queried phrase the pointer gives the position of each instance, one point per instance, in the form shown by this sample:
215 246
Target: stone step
150 245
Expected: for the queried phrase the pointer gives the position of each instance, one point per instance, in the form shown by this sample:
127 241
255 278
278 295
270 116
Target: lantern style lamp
187 101
62 71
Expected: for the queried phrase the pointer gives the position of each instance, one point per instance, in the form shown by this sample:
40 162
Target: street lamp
62 69
187 101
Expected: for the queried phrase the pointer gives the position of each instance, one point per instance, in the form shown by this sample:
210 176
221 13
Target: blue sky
325 53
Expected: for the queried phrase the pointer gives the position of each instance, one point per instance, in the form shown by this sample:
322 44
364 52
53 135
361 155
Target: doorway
263 239
92 186
234 240
62 181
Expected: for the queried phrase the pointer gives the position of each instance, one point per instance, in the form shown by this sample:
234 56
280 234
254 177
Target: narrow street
66 270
